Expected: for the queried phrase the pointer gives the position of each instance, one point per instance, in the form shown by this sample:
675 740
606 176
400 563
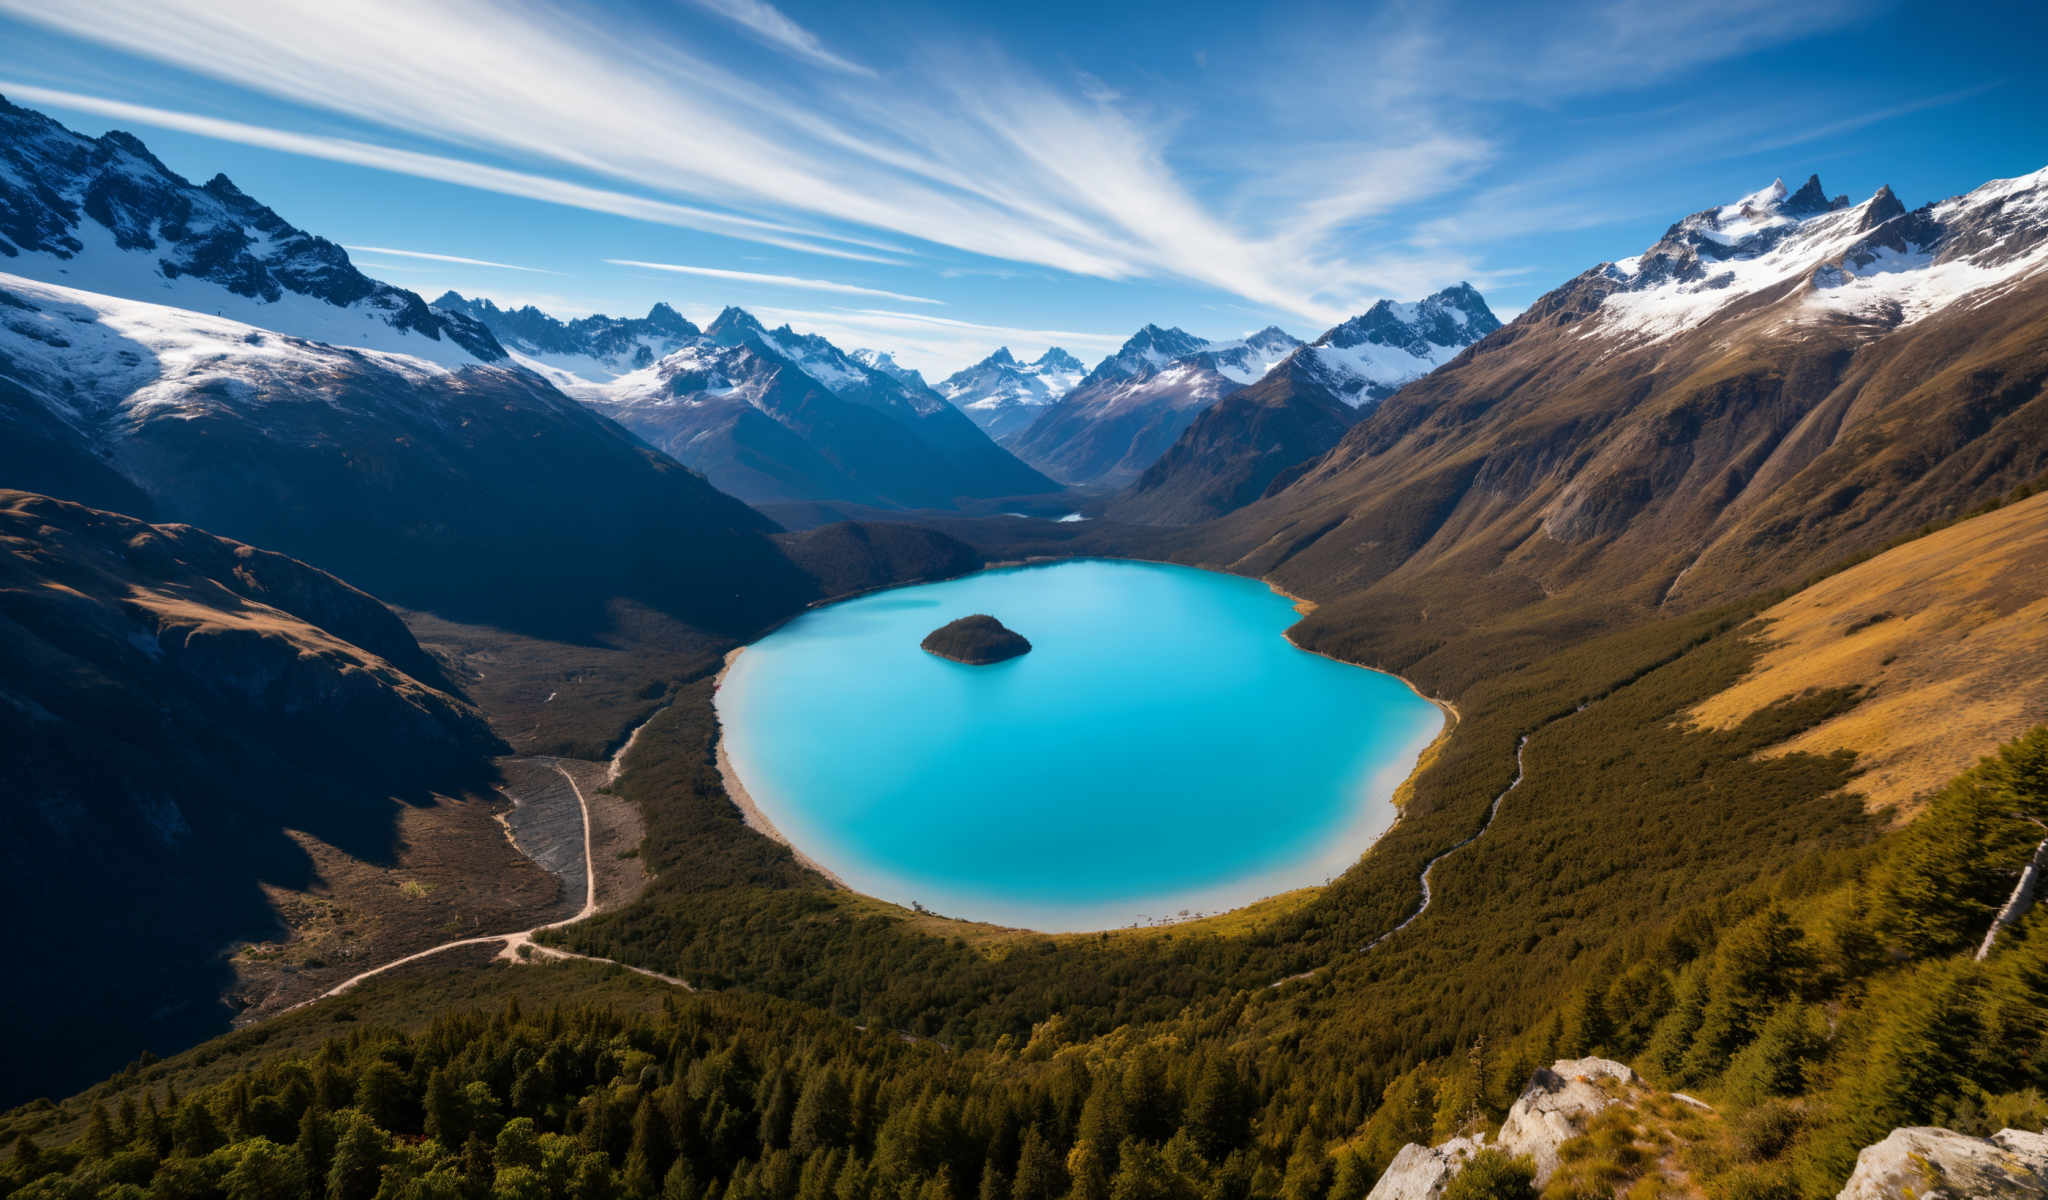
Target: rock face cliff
1939 1164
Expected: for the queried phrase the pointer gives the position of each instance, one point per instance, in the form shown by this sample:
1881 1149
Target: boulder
1421 1172
1555 1107
1926 1163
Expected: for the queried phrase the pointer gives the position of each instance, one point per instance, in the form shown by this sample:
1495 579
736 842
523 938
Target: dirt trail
519 946
1429 868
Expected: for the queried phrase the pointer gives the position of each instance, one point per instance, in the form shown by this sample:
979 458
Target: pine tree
264 1170
315 1143
1308 1172
1216 1111
650 1153
823 1113
194 1132
100 1138
446 1121
358 1159
680 1183
1040 1175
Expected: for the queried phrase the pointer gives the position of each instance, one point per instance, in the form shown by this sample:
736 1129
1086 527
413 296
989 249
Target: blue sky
939 179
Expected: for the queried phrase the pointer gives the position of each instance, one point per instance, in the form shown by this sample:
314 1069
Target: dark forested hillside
172 704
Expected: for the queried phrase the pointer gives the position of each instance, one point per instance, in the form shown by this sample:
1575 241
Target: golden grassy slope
1948 632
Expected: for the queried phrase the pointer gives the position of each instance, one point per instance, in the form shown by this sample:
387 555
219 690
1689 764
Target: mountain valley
381 831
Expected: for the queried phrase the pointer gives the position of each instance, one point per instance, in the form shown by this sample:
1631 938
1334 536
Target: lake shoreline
1429 754
736 791
1426 756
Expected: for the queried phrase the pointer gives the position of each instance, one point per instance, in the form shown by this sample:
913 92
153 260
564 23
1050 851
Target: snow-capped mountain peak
1145 351
1365 359
732 326
1247 359
1004 396
1875 263
104 215
589 349
1056 358
885 362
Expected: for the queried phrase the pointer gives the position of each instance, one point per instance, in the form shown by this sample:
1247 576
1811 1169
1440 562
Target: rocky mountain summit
1367 358
1874 263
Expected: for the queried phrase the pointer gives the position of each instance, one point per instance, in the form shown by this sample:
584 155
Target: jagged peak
220 185
1153 335
1882 206
734 323
1001 358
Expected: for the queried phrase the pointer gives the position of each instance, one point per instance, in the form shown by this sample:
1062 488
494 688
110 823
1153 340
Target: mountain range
1126 412
1238 448
584 348
1004 396
104 215
1723 558
1778 384
766 415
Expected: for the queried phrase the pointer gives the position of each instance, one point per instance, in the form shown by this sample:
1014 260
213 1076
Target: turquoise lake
1163 748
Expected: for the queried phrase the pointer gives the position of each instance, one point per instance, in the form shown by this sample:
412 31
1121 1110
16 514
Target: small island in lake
977 641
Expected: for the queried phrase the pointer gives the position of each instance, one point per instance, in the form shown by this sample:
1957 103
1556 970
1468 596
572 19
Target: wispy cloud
449 258
963 147
1864 120
788 281
461 172
768 23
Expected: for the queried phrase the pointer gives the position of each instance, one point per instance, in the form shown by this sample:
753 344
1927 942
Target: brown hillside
1949 635
1549 481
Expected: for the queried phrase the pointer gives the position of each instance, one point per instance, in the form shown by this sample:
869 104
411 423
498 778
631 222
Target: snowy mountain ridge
594 348
1874 263
1367 358
1004 396
105 215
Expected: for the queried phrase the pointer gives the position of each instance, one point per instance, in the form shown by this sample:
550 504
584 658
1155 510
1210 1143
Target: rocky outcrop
1422 1172
1925 1163
1553 1109
1556 1106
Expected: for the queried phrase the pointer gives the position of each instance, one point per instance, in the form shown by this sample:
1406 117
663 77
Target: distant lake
1163 746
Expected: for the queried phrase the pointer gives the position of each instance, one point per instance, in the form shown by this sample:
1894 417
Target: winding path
1521 748
516 946
1429 868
